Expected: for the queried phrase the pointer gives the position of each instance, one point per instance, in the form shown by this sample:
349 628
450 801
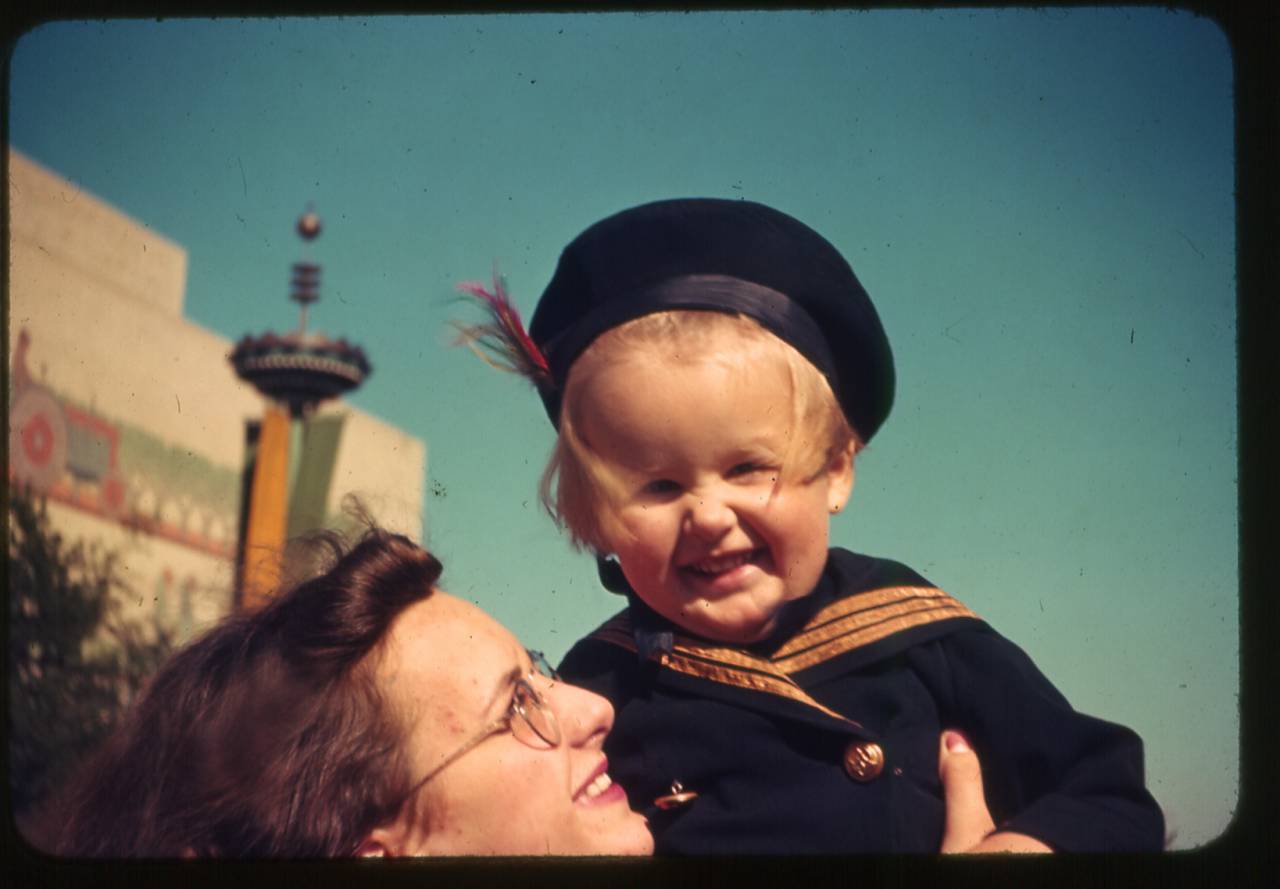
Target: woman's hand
969 828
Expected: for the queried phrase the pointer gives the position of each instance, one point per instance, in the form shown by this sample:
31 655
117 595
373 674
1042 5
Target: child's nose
709 518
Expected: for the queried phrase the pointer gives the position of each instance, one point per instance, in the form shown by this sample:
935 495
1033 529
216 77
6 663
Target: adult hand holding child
969 828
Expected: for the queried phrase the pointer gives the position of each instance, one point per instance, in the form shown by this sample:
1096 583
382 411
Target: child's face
709 534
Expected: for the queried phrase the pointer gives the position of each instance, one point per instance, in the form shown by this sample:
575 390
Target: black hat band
774 311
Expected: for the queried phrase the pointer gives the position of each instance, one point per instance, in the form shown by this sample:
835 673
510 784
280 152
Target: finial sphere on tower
298 368
309 225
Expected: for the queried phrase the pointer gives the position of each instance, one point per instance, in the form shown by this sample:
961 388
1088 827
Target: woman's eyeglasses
528 718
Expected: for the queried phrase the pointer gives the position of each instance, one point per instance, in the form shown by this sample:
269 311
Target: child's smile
723 567
721 575
713 535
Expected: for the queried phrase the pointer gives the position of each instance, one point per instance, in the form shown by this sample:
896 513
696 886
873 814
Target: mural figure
78 458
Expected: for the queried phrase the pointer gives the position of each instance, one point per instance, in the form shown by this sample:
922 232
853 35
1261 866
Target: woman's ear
387 841
840 478
371 848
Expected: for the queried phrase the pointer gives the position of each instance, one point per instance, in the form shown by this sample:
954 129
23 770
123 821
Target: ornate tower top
301 369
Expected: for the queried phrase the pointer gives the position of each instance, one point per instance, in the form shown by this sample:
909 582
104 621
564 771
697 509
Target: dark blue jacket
824 738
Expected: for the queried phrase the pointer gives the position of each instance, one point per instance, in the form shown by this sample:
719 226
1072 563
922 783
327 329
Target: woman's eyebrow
503 689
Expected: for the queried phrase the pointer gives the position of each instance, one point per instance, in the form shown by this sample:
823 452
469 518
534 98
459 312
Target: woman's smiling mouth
600 789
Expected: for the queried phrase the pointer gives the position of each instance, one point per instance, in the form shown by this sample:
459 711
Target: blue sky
1039 202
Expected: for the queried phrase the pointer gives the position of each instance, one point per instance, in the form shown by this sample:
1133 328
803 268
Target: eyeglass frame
502 724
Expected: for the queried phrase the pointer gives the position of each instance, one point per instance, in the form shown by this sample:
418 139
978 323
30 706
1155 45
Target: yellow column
268 511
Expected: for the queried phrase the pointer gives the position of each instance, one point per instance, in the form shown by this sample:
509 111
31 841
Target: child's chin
741 632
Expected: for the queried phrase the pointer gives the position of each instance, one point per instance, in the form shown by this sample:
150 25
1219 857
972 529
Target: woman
367 713
341 720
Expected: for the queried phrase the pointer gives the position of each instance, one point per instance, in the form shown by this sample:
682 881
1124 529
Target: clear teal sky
1039 202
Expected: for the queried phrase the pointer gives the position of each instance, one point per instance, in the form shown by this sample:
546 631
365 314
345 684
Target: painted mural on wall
114 470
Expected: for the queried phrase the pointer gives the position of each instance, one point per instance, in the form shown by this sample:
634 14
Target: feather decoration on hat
502 341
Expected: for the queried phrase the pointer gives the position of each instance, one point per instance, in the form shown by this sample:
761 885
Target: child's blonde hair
577 487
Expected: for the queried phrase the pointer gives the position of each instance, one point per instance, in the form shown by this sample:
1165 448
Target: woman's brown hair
267 736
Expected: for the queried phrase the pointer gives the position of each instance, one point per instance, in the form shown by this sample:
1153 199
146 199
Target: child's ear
840 478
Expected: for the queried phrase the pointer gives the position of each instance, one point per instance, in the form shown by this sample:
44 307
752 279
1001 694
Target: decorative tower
295 372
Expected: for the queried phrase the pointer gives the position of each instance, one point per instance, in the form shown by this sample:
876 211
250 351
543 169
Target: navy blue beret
707 253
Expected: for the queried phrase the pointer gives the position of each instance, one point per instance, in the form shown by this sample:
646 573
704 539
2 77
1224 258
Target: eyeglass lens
531 709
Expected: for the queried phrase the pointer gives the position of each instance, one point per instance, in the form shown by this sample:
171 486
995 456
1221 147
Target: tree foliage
74 662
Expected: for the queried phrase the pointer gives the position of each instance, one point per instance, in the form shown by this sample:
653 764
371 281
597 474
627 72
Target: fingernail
956 743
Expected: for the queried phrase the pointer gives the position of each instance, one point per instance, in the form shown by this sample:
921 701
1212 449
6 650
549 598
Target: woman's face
449 670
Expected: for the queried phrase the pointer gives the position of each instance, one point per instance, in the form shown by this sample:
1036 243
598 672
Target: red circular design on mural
37 439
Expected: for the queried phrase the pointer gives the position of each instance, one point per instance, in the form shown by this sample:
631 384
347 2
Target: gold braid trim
732 667
863 619
843 626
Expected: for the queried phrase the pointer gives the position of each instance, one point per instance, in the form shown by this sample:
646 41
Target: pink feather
503 340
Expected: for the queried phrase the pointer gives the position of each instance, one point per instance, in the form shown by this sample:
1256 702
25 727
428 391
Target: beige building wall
391 484
130 418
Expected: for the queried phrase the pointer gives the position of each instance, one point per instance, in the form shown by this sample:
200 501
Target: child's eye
747 468
661 486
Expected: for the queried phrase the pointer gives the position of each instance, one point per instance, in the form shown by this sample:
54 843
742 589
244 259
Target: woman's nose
585 717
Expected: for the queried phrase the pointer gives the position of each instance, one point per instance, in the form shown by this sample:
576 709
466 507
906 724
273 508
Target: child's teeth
715 566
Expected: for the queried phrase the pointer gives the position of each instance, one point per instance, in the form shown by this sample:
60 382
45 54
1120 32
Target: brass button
676 798
864 760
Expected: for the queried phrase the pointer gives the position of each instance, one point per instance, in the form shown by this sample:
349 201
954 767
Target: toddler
713 368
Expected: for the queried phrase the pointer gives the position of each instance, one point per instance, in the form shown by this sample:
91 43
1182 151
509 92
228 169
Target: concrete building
131 421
